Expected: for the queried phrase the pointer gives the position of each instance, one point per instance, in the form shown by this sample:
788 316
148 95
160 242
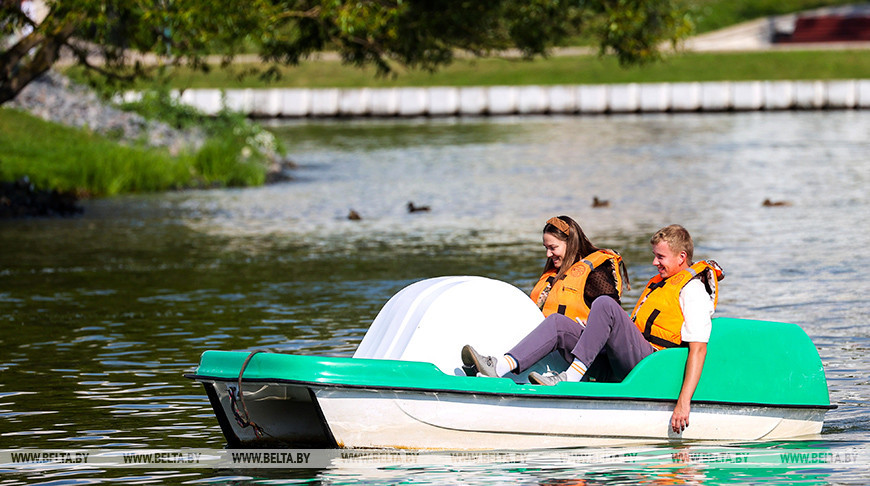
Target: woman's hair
578 245
677 238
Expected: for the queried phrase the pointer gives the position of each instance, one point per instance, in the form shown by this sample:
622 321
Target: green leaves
132 37
634 30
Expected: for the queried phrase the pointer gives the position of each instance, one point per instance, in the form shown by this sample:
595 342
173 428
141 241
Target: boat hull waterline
311 415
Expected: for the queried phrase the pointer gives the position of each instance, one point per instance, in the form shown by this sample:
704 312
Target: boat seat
432 319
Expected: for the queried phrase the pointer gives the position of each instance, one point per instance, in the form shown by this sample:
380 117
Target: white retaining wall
529 100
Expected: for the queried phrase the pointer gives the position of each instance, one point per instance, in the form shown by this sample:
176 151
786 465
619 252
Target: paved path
756 35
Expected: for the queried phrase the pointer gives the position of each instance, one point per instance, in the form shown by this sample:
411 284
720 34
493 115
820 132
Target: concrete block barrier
295 102
532 100
592 98
563 99
716 96
527 100
354 102
472 101
239 100
623 98
208 101
413 101
747 95
654 97
778 95
324 102
685 96
384 102
443 101
863 91
809 95
501 100
842 94
266 103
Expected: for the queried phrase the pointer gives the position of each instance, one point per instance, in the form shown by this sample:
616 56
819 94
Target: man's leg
611 329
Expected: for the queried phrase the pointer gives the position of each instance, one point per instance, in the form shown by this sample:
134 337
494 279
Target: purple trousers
608 329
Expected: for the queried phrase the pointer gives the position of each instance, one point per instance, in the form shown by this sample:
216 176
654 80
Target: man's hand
680 417
694 366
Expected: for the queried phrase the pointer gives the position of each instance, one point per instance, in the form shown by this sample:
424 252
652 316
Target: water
102 314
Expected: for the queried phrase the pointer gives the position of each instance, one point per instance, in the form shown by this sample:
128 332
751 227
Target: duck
354 216
599 203
416 209
768 203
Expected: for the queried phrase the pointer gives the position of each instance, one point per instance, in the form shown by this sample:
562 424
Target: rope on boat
245 421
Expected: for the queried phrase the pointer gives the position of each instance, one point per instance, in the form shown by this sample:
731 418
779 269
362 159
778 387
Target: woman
576 273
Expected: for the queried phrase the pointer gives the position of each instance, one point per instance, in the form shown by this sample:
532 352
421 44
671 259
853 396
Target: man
674 309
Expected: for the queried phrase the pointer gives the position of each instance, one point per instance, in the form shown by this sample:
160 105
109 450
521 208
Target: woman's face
555 249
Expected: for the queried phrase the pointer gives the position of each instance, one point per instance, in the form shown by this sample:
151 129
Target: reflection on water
101 314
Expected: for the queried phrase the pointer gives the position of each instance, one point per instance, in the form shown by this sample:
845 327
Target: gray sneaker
549 378
485 365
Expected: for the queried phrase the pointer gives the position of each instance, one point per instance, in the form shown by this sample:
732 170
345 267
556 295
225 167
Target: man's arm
694 366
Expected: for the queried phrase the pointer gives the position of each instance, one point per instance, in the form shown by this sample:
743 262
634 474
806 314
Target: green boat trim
749 363
524 394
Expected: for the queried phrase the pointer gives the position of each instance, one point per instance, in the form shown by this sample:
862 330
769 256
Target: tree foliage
124 39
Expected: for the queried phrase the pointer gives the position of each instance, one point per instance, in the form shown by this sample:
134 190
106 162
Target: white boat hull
335 416
384 419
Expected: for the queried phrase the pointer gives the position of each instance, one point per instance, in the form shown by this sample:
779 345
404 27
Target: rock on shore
53 97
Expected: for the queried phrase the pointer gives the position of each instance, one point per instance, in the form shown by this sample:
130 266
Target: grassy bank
585 69
73 160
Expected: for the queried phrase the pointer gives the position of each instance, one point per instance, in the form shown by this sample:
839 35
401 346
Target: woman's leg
556 332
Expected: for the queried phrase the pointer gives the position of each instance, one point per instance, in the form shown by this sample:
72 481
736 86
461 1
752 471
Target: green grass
771 65
73 160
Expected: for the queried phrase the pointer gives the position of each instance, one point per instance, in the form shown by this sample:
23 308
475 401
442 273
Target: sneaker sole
468 356
535 379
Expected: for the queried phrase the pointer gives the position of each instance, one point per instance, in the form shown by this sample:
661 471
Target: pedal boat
761 381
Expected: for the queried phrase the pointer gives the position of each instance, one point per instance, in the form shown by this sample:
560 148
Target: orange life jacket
658 314
567 295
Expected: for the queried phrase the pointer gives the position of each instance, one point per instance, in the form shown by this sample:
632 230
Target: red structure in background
828 28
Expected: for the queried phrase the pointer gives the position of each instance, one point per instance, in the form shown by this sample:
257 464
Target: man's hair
677 238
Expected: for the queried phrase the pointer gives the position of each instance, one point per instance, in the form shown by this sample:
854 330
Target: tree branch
311 13
19 71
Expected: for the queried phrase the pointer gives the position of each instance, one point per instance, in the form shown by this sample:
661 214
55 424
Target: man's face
666 261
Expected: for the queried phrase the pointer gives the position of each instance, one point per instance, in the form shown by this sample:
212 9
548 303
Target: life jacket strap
648 335
664 343
647 327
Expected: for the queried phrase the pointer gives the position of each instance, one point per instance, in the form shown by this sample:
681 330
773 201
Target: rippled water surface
102 314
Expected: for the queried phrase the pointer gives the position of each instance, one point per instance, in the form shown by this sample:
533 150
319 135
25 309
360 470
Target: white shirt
697 307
